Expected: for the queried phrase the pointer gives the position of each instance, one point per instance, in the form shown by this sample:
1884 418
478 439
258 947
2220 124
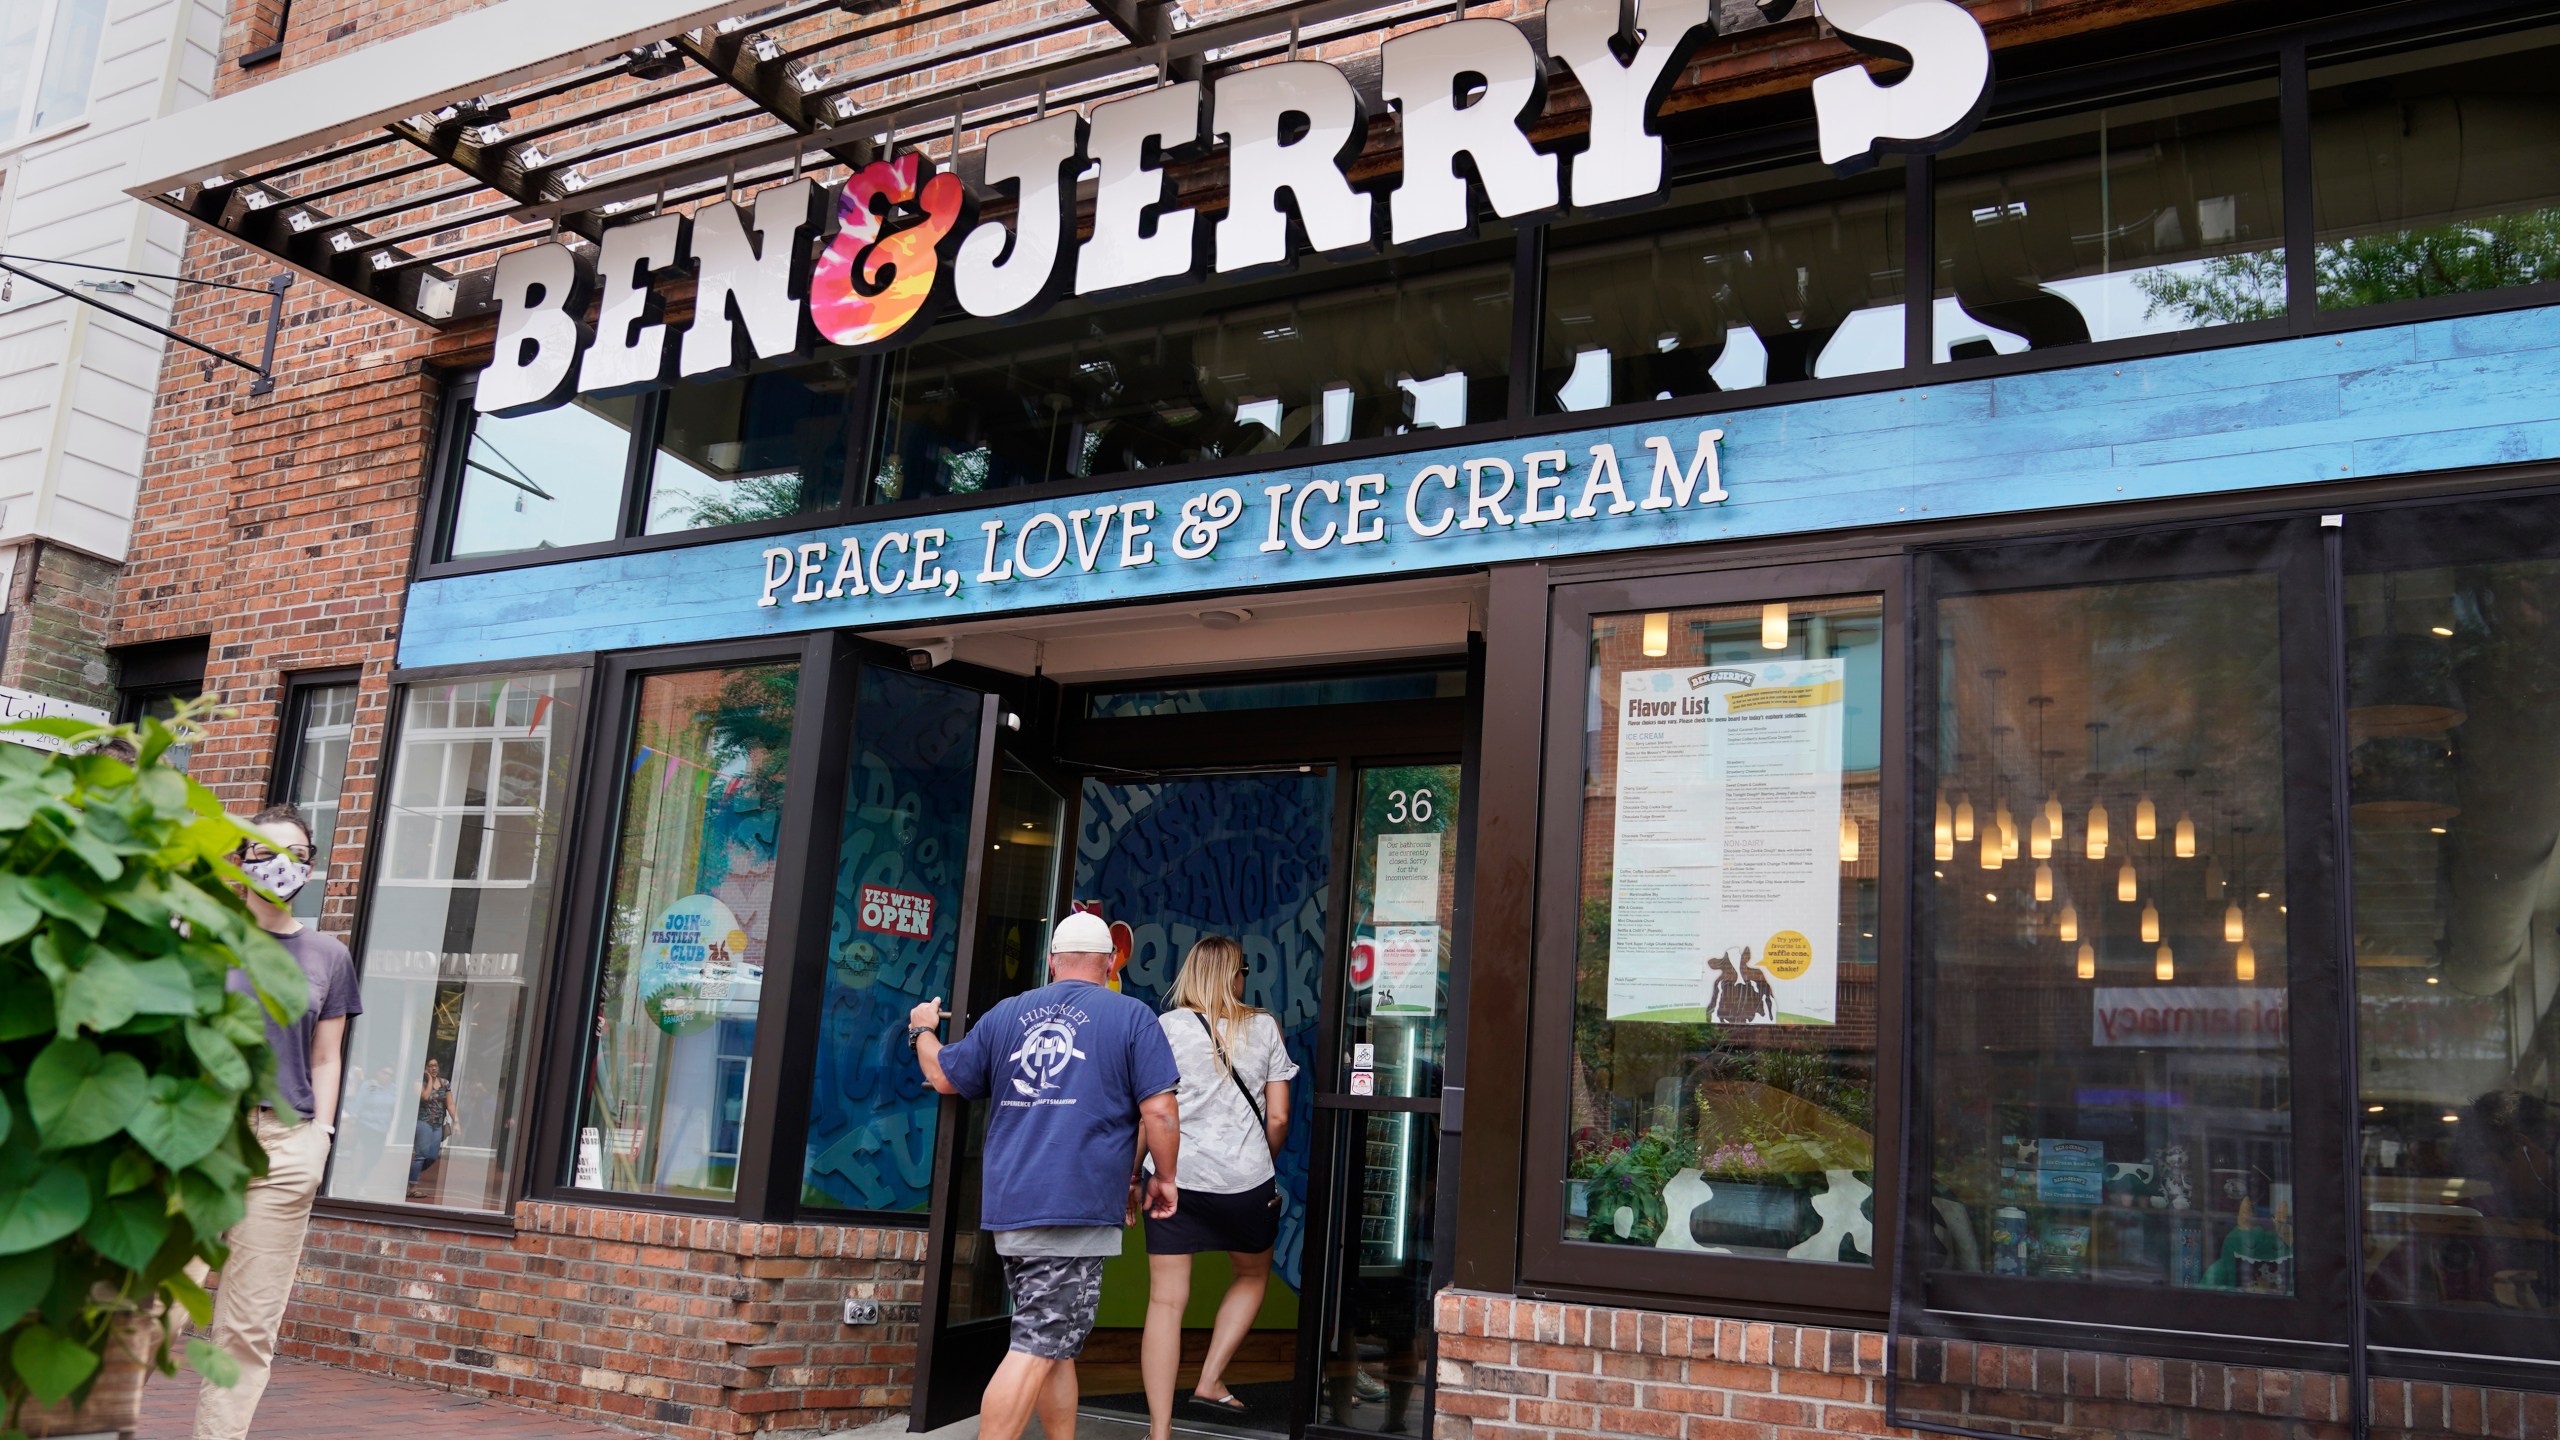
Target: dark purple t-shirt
332 976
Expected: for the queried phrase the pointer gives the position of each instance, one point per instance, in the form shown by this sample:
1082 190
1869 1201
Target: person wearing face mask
266 1246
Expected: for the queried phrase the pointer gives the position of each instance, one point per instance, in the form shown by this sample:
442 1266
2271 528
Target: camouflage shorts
1054 1300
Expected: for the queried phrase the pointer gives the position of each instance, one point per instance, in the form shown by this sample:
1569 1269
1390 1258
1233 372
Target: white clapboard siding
76 385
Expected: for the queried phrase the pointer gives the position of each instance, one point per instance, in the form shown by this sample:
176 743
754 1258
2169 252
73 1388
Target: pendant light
2053 812
1848 838
2044 883
2039 837
2235 926
2146 816
2185 841
2244 964
2164 965
2150 924
1943 835
1657 634
2045 822
1964 819
2088 961
2068 927
2008 834
1991 856
2128 885
1773 626
2097 805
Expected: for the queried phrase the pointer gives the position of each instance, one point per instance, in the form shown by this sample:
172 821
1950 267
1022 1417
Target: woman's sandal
1228 1406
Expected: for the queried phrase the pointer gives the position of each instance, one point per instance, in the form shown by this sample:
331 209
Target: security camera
928 654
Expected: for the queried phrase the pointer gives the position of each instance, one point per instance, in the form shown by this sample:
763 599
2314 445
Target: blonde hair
1208 984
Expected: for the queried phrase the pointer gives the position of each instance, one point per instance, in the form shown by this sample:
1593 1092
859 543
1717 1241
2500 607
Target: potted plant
1620 1185
127 1069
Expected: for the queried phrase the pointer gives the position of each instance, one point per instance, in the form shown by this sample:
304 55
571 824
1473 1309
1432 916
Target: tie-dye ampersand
868 286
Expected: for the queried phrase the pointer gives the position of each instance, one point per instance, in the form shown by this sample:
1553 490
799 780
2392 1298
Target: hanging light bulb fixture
2045 821
2068 927
2146 816
2039 837
2097 849
2088 961
2235 926
2244 964
1773 626
1848 838
2164 964
2008 834
2044 883
2150 924
1991 855
2184 841
1657 634
2128 885
1964 819
1943 833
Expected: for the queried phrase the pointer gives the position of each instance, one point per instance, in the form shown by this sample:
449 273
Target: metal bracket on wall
274 290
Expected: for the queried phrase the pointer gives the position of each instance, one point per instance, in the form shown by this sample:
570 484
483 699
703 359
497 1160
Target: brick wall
1529 1370
57 642
687 1326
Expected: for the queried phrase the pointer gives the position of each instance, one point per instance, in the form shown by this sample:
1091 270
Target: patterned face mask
280 874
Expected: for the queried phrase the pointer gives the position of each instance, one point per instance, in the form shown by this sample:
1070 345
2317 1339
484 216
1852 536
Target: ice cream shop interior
1870 682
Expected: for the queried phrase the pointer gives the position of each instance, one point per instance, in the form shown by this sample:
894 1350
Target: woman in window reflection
1234 1103
435 1121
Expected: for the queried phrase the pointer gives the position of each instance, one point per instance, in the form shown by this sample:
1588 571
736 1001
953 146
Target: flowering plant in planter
127 1069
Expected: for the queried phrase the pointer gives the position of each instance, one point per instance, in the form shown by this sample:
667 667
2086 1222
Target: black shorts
1247 1222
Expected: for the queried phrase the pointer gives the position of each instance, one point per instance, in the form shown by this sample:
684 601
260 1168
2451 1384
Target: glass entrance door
1378 1099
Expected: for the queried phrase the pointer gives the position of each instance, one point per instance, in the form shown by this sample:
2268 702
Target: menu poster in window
1408 970
1726 898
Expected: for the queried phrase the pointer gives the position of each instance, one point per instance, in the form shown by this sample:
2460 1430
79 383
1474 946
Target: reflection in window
1386 348
1278 694
1744 282
324 719
455 927
544 480
900 860
2138 219
756 447
2454 674
2106 968
685 929
70 64
2431 173
1725 1001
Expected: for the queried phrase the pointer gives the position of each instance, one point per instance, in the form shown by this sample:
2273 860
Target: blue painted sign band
2394 400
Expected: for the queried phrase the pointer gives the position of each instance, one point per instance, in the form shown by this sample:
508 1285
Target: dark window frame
539 1001
2029 1310
292 715
1551 1266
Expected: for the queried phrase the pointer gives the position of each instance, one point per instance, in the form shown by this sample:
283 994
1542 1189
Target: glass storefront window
760 446
2453 675
1743 282
455 926
323 720
901 856
1724 1031
1246 695
2106 967
1384 348
2431 171
542 481
684 934
2139 219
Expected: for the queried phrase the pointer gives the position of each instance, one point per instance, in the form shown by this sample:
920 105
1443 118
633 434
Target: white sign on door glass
1408 970
1408 880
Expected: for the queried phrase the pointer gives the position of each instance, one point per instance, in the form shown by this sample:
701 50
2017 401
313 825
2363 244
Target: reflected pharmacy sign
2187 1017
902 242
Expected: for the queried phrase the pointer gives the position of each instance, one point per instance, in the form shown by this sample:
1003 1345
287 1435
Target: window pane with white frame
48 63
322 720
456 923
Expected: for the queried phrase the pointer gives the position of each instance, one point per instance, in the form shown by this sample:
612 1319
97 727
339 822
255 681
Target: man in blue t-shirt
1076 1071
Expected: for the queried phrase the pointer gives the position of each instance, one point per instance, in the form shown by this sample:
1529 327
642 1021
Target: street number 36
1409 807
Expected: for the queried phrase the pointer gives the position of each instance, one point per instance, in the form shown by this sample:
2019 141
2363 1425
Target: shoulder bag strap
1214 1044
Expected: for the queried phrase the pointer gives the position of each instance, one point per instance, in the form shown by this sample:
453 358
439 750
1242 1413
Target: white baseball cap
1082 933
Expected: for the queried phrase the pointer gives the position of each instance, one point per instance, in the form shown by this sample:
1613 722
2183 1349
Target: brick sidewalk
307 1401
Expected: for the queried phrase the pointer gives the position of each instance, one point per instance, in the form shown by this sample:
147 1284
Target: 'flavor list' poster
1727 896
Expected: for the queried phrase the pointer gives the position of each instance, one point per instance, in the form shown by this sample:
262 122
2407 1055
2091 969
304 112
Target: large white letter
1928 109
751 298
542 306
1138 233
630 350
1016 270
1623 161
1427 74
1253 108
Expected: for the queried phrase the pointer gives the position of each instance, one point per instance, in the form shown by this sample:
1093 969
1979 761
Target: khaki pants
266 1247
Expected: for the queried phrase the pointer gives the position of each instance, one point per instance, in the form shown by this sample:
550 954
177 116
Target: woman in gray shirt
1234 1103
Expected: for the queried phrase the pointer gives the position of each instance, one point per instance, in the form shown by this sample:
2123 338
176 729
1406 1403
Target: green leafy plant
1631 1176
127 1070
